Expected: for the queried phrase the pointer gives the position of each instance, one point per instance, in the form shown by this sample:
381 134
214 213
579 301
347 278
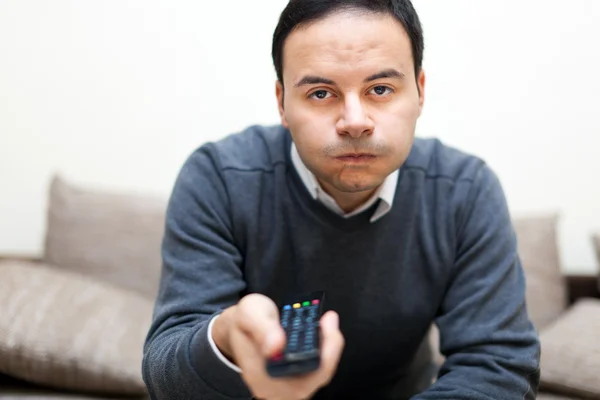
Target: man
399 232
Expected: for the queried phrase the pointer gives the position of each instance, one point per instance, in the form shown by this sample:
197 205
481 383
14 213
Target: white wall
117 94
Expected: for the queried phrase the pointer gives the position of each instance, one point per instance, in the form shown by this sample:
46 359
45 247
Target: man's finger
249 359
247 354
332 344
259 319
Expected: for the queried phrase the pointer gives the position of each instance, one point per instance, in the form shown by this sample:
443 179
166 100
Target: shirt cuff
216 349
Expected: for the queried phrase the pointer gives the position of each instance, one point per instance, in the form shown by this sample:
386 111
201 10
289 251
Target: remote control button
288 307
315 302
301 356
306 304
297 305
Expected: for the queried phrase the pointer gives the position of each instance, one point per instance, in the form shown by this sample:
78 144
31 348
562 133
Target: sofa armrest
580 286
18 257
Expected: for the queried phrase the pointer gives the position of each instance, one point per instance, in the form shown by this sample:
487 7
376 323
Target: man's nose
354 120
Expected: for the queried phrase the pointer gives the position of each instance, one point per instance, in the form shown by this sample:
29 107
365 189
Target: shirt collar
385 192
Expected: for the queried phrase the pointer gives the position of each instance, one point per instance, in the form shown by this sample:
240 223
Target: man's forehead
351 41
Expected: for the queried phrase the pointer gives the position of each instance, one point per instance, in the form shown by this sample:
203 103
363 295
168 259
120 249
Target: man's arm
492 349
201 276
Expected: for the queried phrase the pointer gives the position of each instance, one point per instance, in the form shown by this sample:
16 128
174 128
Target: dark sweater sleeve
201 276
491 347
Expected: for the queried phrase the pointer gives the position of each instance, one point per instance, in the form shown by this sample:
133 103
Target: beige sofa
73 321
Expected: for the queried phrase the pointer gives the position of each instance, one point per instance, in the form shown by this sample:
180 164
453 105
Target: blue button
287 307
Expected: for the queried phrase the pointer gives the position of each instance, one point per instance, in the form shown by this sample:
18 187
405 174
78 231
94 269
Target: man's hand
249 333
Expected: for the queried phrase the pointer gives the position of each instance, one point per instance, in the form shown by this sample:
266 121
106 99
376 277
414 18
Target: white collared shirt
385 192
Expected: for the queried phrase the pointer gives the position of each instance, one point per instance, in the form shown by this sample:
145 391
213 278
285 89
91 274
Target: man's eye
321 94
381 90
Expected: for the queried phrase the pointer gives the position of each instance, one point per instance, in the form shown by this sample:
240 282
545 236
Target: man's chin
357 186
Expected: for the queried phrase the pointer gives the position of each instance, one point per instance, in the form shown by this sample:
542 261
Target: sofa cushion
14 389
68 331
110 236
537 244
570 359
552 396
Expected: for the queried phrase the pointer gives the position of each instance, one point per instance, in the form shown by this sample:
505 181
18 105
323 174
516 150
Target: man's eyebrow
318 80
386 73
314 80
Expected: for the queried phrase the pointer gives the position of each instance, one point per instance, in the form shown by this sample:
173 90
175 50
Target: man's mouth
356 157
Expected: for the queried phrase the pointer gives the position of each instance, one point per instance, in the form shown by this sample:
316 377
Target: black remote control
300 319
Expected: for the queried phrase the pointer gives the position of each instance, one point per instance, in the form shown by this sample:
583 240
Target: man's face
351 99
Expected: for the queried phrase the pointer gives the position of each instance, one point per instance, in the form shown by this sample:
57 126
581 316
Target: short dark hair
301 12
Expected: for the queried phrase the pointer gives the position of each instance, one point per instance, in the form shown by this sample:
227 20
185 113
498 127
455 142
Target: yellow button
297 305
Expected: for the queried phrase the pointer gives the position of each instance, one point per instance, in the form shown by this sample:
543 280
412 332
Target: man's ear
421 86
280 92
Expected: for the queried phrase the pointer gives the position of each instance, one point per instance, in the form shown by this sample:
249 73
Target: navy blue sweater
241 221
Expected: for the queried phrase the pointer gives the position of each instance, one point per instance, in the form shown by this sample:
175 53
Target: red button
315 302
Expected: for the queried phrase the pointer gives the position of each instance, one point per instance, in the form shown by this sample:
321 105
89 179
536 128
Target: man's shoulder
256 148
439 160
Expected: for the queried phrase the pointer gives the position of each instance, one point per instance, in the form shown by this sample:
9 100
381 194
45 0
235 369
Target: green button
306 304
